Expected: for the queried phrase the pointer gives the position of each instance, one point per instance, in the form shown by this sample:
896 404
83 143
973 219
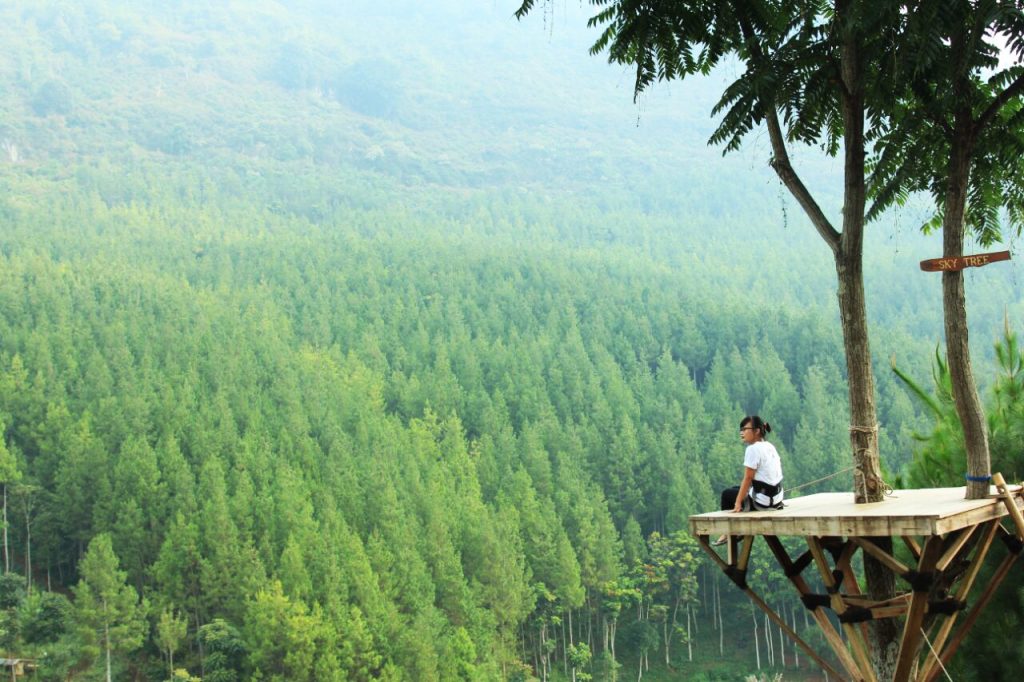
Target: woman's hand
748 481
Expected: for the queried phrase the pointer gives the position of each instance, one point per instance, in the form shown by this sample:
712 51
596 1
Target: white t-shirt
764 459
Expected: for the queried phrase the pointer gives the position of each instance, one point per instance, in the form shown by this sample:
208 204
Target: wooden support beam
889 611
702 540
868 603
843 563
744 558
954 547
832 636
853 635
760 603
988 534
874 550
912 545
972 616
792 634
911 640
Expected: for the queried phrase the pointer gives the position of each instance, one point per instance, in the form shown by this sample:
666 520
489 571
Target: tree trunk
782 639
721 627
796 649
689 636
106 646
757 644
954 311
7 556
565 653
28 547
868 485
665 637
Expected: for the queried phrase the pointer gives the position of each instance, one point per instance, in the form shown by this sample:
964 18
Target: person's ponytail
756 422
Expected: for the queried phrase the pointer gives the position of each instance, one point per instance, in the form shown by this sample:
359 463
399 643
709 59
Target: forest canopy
323 358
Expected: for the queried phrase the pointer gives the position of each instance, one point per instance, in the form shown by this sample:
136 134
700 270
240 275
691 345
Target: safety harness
769 491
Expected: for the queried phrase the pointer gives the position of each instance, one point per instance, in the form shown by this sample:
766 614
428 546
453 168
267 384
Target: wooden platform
924 512
946 538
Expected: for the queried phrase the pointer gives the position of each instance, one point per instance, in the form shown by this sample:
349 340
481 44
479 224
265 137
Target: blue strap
978 479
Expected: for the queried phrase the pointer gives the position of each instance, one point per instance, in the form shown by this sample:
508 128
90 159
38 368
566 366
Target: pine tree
108 614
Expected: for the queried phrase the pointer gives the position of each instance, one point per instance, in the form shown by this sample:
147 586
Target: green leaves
949 93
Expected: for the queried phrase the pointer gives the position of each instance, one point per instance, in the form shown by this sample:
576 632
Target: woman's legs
729 496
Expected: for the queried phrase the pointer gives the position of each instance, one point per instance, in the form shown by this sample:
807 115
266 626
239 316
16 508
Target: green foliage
44 617
12 590
940 460
225 651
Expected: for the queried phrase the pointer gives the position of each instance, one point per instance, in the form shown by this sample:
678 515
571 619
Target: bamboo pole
1011 504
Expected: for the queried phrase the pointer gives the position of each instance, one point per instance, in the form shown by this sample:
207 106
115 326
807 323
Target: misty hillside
306 108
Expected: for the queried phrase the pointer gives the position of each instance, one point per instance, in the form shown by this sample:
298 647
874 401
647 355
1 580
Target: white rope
937 659
819 480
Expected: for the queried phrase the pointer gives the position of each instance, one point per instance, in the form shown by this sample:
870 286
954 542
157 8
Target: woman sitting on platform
761 488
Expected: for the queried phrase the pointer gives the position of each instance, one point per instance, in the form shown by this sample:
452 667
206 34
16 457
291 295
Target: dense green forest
330 352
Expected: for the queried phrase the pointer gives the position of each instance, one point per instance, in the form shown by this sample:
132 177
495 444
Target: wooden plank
889 611
972 517
911 640
869 603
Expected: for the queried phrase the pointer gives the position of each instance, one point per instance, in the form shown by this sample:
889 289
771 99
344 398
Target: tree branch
1015 89
784 169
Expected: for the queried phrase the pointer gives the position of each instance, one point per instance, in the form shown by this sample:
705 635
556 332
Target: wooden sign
961 262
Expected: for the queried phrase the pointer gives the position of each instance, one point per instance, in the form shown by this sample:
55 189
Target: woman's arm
748 480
